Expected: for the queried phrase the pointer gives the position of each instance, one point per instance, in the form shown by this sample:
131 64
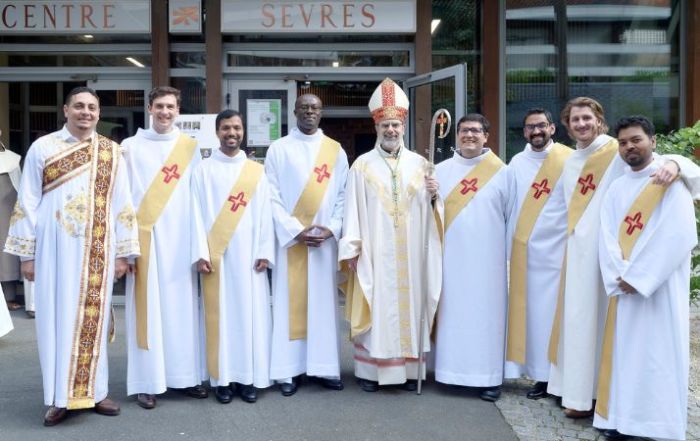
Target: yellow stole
150 209
101 162
630 229
536 198
466 189
297 256
218 240
593 171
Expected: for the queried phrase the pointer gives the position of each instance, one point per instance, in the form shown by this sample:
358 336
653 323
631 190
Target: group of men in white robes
416 248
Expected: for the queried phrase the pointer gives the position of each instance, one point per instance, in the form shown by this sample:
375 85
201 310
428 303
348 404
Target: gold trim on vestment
152 205
62 167
535 200
589 179
298 255
218 240
466 189
631 228
92 305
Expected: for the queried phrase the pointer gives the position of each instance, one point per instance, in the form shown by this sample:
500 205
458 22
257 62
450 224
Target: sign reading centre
347 17
71 16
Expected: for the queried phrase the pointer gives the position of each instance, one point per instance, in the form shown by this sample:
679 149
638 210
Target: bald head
307 110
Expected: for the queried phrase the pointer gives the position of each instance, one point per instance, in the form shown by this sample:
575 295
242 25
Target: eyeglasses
541 126
474 130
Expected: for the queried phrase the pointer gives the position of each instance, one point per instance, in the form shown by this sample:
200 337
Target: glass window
194 94
624 54
332 58
456 27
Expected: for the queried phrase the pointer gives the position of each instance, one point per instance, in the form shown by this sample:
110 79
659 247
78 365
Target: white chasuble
73 216
289 165
471 323
649 380
173 355
394 233
245 316
545 252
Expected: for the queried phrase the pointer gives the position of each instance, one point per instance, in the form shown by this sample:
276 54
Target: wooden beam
692 75
160 57
491 93
214 67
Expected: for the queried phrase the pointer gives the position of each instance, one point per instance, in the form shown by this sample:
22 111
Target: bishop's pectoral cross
395 194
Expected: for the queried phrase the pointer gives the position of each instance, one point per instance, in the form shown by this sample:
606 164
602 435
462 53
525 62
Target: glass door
444 88
268 110
123 106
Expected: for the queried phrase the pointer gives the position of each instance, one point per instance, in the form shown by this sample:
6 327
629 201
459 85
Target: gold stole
297 256
218 240
630 229
593 171
150 209
536 198
98 158
466 189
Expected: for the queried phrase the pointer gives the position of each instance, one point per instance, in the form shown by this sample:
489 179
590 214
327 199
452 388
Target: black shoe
410 385
197 391
248 392
328 383
223 394
539 390
491 394
289 389
614 434
368 385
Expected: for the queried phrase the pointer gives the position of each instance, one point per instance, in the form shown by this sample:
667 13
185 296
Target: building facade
494 57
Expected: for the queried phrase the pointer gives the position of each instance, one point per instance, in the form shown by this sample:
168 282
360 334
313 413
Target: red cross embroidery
469 185
634 223
322 173
541 187
237 201
587 184
170 173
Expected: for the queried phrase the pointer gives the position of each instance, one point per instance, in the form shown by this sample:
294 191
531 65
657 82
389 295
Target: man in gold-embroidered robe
391 250
74 229
162 304
647 235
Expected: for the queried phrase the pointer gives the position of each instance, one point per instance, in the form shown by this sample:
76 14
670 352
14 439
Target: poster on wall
201 127
264 121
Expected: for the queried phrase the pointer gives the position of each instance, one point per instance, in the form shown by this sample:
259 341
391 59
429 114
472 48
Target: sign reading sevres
70 16
347 17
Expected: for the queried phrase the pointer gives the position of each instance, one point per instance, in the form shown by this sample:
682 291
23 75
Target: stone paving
543 420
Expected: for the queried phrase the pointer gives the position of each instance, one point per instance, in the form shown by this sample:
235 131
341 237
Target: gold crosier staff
442 118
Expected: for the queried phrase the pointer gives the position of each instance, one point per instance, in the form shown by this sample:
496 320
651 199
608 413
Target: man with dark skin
307 172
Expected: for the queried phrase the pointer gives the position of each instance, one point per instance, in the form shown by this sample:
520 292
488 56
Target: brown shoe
147 401
197 391
577 414
107 407
55 415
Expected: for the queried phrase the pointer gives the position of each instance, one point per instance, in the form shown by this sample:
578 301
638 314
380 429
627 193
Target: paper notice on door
264 121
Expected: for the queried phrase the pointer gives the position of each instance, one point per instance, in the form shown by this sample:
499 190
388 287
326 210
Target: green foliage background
685 142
